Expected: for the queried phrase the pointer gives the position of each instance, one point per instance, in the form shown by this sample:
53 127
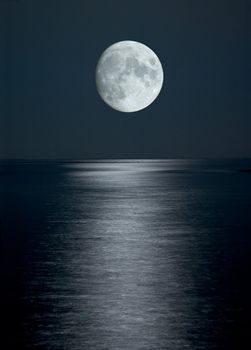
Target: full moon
129 76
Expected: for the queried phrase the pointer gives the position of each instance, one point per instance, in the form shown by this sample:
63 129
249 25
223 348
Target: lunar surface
129 76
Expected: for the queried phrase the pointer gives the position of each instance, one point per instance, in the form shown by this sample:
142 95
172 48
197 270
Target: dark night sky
49 105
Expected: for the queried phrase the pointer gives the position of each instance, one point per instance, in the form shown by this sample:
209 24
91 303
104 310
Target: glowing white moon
129 76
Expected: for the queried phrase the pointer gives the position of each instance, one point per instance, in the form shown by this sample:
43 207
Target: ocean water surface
126 254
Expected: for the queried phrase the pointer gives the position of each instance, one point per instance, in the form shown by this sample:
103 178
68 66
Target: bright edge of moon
129 76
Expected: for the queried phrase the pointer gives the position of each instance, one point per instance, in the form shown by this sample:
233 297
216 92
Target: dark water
126 255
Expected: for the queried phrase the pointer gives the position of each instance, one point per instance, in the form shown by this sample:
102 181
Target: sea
125 254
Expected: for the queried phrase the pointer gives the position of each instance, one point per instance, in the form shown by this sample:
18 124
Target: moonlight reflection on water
127 254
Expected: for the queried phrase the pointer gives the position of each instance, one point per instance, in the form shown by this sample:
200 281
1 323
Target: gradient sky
49 106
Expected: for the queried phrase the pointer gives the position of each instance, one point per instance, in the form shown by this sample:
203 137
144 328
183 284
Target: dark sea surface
126 255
